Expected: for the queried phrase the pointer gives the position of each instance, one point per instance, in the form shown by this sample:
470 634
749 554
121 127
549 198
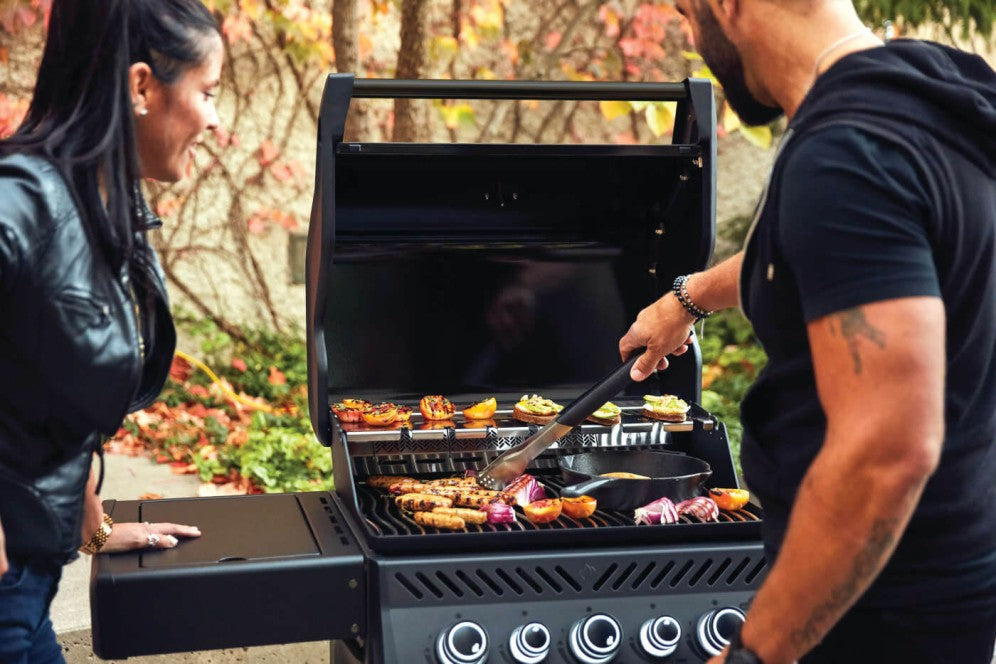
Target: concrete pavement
128 478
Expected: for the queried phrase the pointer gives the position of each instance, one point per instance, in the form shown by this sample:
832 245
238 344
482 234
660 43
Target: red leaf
180 370
277 377
268 152
239 364
198 409
236 27
199 391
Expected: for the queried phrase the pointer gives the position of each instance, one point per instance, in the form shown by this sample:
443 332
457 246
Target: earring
143 112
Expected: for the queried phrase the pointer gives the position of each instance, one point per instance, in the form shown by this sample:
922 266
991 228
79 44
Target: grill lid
497 270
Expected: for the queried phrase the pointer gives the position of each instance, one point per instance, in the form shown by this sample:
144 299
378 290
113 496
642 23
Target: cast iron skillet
677 476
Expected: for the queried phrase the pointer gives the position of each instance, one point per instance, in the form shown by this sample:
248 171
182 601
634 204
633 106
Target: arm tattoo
866 565
854 325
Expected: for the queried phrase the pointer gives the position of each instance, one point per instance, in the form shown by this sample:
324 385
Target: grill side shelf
262 572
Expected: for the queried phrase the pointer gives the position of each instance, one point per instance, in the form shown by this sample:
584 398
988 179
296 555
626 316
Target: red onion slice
499 512
661 510
701 508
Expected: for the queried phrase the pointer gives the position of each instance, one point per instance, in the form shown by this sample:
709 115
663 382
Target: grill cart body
473 271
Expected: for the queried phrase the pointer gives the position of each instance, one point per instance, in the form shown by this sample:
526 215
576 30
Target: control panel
678 606
594 638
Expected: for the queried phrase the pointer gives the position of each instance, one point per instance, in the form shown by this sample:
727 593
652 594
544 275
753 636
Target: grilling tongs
513 463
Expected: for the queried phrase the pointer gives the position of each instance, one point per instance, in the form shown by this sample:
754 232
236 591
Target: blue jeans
26 634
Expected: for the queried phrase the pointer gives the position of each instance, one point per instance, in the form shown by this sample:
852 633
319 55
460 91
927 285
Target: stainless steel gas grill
471 271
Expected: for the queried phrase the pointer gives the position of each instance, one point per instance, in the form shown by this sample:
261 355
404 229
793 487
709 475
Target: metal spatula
513 463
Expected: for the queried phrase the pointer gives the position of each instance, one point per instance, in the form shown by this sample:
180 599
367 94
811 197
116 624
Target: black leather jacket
69 356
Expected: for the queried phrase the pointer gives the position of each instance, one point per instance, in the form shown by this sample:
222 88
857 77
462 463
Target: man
870 278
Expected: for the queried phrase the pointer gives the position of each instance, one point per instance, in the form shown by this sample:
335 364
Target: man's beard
724 60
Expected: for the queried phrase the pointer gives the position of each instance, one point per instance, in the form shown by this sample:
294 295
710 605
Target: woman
124 92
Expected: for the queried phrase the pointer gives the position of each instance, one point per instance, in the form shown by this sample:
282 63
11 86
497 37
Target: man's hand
4 565
664 328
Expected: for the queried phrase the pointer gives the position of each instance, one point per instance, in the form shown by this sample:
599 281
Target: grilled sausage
434 520
454 481
408 485
421 502
467 499
470 516
385 481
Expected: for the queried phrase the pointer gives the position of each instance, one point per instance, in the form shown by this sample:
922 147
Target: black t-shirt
850 219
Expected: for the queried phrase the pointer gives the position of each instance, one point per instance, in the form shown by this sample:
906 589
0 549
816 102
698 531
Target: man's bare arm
880 375
664 326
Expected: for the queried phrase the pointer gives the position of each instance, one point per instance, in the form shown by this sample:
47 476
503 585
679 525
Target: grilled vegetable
499 512
729 499
350 410
468 515
404 414
523 490
701 508
661 510
421 502
543 511
436 407
385 481
482 410
381 415
579 508
434 520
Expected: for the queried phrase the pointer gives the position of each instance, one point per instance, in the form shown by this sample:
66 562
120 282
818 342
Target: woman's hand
131 536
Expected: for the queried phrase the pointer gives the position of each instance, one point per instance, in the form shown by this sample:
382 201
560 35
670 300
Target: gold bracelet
99 538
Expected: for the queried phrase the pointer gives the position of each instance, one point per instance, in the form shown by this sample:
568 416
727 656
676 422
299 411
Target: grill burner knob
595 639
659 637
716 627
529 644
464 643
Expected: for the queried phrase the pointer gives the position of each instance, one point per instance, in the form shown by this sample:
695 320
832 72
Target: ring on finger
152 540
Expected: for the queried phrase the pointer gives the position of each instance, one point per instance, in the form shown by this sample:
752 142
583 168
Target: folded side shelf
267 569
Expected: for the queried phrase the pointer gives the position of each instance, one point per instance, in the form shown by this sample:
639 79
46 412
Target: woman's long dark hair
81 116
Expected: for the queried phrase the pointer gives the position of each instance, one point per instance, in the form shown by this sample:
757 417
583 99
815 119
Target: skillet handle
586 487
598 394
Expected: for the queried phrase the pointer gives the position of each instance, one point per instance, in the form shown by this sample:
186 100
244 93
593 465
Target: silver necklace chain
834 46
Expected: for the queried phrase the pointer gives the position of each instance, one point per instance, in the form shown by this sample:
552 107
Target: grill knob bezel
653 645
581 645
446 651
524 653
707 630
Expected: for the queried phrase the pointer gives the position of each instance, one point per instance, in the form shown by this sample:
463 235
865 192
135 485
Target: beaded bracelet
681 292
99 538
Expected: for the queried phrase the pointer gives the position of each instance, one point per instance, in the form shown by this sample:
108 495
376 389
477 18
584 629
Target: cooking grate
391 529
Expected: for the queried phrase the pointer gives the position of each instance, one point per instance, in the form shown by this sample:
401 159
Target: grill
471 271
460 448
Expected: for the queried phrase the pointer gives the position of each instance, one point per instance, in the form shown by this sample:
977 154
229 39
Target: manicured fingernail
172 541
